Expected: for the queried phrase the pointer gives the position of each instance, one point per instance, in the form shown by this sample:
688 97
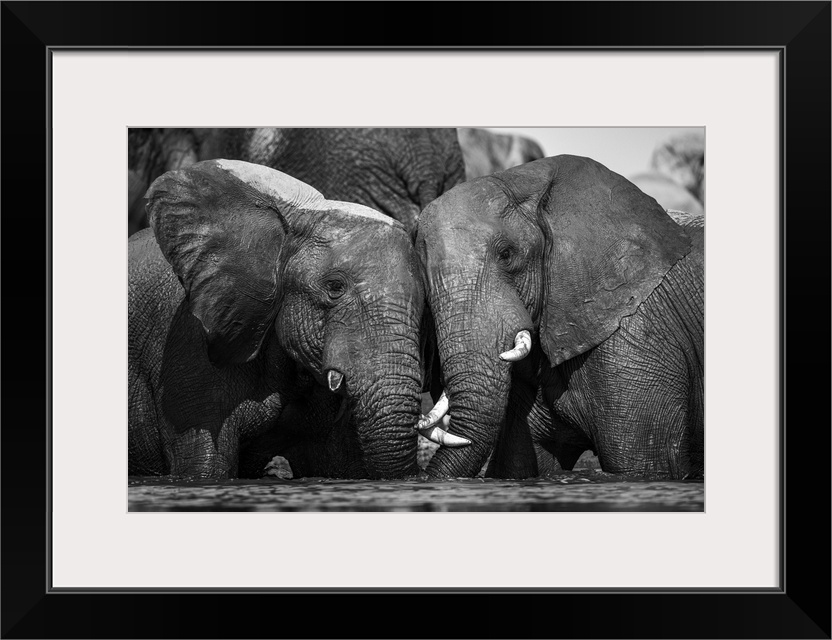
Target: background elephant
486 152
264 317
150 153
569 315
669 194
676 178
395 171
682 158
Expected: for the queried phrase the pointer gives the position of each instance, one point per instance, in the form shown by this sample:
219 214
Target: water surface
588 490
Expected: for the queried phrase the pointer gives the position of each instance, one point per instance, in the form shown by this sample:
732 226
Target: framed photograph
85 549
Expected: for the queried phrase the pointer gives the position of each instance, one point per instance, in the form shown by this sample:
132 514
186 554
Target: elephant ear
608 246
221 225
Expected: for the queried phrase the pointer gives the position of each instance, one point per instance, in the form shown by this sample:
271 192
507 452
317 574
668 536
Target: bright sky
625 150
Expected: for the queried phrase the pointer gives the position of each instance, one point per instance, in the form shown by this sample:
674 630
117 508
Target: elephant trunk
477 345
477 389
385 406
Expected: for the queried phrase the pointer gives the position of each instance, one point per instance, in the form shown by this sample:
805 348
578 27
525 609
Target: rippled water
589 490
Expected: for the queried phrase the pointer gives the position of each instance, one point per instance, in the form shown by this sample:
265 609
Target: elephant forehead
282 188
458 242
378 247
470 200
358 213
577 172
363 234
378 261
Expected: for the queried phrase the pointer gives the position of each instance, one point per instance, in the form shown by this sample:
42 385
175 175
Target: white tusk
440 436
522 346
434 415
335 379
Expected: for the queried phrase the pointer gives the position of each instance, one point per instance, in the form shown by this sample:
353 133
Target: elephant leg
335 450
515 455
563 441
315 435
547 464
535 441
564 450
695 433
294 437
198 453
145 456
258 453
209 452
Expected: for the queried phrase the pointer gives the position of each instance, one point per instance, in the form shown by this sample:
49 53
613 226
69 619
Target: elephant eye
334 286
505 253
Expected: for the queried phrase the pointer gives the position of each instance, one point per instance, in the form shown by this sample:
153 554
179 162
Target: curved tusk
522 346
334 378
440 436
434 415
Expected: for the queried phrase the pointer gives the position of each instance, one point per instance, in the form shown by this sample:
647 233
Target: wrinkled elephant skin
267 320
394 171
610 290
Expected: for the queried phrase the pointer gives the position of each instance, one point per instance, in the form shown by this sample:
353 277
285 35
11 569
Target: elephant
395 171
267 320
485 152
682 159
150 153
669 194
569 317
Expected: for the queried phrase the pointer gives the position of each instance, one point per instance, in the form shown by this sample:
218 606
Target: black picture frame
799 31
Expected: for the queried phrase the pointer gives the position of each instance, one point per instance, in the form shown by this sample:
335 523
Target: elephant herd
297 291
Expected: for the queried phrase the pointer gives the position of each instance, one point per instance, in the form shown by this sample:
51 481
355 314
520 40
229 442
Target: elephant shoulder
694 225
697 252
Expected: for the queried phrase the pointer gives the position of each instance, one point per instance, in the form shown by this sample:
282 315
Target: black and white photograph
416 302
416 319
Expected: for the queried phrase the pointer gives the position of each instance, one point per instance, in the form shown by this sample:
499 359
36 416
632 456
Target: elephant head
264 257
548 256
